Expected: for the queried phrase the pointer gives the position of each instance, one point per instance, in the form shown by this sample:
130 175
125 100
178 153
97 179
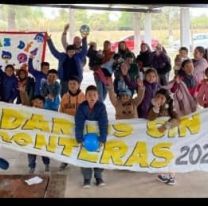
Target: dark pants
64 87
164 79
32 160
87 173
102 91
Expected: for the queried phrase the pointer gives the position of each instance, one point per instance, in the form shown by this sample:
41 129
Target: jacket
98 113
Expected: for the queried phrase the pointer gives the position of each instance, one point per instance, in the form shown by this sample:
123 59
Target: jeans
32 160
102 91
87 173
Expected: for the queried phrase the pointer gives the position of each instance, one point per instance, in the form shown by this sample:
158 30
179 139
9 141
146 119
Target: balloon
91 142
84 30
4 164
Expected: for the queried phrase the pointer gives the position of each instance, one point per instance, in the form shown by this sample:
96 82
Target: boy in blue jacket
70 62
92 110
38 75
50 89
9 84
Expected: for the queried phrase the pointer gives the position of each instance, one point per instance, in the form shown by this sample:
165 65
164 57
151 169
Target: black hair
9 65
38 97
52 71
183 48
200 49
206 72
70 47
74 78
186 61
91 88
44 64
169 100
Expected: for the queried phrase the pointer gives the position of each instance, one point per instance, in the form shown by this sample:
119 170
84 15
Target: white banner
134 145
15 48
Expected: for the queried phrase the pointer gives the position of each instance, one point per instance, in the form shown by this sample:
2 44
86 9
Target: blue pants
87 173
32 160
102 91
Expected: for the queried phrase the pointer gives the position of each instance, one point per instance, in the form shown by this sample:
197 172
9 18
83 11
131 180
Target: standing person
144 59
37 102
77 42
151 85
28 82
70 102
70 62
162 105
161 62
202 96
38 75
94 110
9 84
123 50
200 63
50 89
125 105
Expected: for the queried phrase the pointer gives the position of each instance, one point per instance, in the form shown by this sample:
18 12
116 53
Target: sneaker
171 181
163 178
47 168
63 166
31 170
99 182
86 184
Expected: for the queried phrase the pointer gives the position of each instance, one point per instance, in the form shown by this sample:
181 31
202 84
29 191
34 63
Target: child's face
38 103
144 48
77 41
22 75
9 71
122 46
197 55
183 54
129 60
151 77
45 69
124 98
107 46
73 86
51 78
189 68
161 99
71 53
92 97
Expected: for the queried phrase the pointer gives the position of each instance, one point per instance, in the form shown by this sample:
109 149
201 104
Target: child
93 110
151 86
202 97
50 89
28 82
125 105
70 101
38 102
38 75
162 105
8 83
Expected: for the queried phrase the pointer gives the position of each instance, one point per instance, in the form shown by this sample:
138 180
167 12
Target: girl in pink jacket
202 97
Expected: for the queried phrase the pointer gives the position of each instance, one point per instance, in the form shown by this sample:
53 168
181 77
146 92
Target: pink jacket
199 68
202 97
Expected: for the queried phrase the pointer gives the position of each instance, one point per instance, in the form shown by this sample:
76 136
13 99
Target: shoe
31 170
63 166
171 181
162 178
47 168
86 183
99 182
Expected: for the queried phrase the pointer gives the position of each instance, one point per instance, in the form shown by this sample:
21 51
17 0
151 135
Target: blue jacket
9 86
62 56
98 113
54 90
38 75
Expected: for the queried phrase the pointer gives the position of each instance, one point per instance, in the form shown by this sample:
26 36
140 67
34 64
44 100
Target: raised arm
64 37
112 95
140 93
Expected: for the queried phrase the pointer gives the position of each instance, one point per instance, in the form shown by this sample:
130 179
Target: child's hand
48 36
162 129
50 96
31 56
177 79
66 27
140 83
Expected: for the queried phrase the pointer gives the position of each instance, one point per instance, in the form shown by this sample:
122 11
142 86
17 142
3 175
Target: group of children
136 89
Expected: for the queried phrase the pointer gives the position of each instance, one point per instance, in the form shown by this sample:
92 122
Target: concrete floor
118 183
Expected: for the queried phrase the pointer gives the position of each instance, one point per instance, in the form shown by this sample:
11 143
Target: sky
114 15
